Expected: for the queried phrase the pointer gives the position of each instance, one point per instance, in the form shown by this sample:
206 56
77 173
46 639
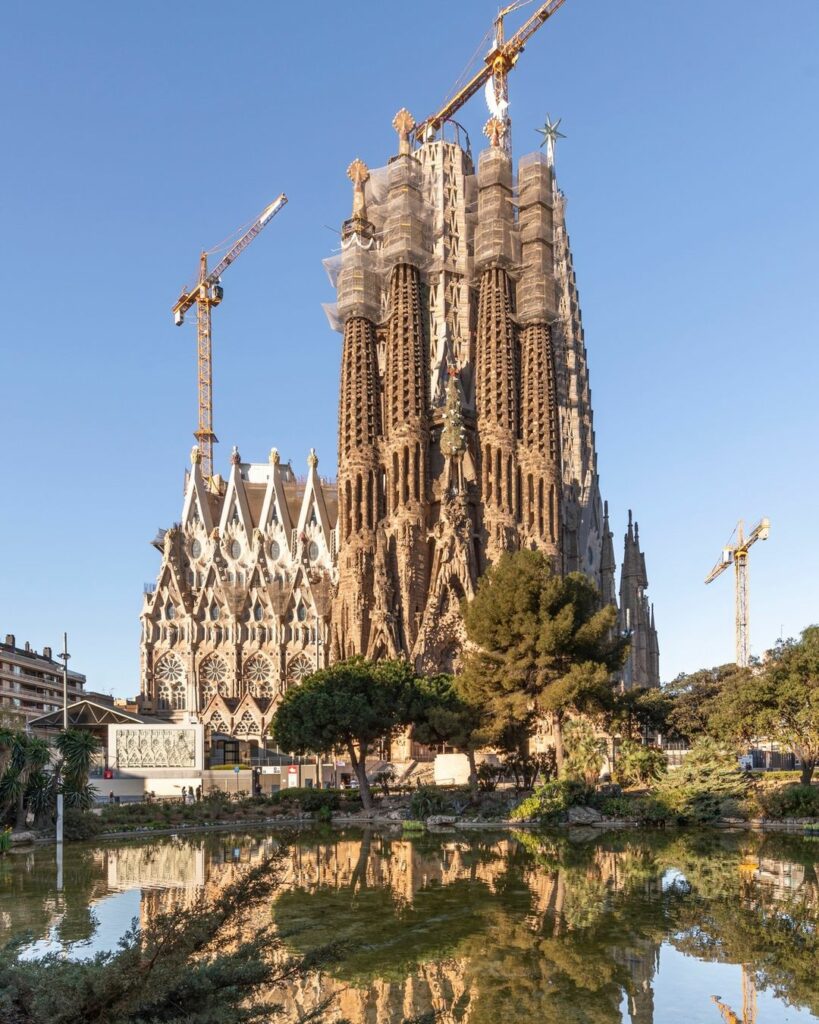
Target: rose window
299 668
259 676
213 677
170 678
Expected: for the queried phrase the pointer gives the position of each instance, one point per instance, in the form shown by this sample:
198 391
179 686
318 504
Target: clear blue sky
136 134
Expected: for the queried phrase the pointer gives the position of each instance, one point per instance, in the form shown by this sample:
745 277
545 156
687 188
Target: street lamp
64 657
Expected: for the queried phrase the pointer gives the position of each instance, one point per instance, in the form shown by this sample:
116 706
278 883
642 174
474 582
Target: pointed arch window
258 612
214 612
170 611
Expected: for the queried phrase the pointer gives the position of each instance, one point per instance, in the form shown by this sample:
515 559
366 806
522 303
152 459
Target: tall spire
550 134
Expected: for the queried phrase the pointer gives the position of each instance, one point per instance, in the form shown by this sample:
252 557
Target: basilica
465 430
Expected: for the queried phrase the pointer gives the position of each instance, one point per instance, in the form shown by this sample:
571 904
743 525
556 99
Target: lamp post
64 657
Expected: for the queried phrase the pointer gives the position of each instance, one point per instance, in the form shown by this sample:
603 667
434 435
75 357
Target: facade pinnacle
235 457
196 455
312 459
274 458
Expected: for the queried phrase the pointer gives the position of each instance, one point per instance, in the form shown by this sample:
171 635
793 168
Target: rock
18 838
441 819
583 815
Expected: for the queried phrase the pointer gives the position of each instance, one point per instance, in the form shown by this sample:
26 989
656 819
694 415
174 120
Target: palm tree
77 748
29 755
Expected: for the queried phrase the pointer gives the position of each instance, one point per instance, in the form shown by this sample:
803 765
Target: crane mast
737 555
497 64
206 293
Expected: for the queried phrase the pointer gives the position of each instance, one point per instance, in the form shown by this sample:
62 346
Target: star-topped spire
403 123
550 134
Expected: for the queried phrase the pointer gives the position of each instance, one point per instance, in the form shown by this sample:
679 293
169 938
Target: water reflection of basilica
476 929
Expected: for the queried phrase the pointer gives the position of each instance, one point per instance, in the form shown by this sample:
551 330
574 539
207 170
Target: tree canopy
542 645
779 701
443 715
352 704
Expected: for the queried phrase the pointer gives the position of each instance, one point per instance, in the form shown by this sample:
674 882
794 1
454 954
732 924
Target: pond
633 927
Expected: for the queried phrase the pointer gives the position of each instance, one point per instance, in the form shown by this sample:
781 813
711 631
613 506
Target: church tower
465 421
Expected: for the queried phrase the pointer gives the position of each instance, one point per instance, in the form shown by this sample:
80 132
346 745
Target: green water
631 927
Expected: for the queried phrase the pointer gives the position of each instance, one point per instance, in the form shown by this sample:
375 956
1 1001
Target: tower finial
403 123
312 459
550 134
495 130
358 174
196 455
235 457
274 458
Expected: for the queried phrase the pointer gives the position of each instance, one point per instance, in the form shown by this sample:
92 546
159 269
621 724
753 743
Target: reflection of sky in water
112 915
683 987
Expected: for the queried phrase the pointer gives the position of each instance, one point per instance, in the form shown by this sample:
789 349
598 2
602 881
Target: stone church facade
465 430
240 608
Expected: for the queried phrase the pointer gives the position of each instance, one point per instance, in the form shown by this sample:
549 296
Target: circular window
235 549
275 550
196 549
313 551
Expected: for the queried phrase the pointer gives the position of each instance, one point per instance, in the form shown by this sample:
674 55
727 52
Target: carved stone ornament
141 747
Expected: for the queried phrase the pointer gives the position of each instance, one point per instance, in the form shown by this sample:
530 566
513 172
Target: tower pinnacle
403 123
550 134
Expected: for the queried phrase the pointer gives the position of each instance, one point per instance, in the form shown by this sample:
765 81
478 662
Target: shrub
791 802
552 799
489 775
585 752
650 811
79 825
426 800
5 840
616 807
638 765
696 790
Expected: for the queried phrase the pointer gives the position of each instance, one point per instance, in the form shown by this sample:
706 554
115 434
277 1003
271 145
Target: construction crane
208 292
737 555
749 1008
498 63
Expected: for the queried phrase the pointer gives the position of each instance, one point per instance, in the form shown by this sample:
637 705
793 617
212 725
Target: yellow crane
500 60
749 1010
208 292
737 555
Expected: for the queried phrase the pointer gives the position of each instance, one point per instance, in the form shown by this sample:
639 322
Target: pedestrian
184 794
111 797
198 793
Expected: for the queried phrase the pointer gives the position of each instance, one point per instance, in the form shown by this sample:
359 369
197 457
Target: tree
542 644
708 775
640 712
780 701
25 758
442 715
77 748
693 697
352 704
197 963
